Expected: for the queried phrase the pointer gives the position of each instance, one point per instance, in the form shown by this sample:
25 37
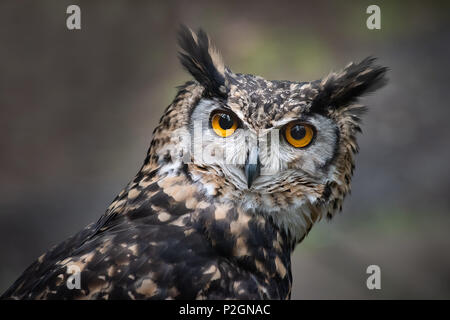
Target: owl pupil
225 121
298 132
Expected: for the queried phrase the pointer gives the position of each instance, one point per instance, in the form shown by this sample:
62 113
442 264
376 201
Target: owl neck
246 240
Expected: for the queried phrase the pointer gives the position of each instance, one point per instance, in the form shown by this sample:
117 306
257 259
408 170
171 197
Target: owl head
283 149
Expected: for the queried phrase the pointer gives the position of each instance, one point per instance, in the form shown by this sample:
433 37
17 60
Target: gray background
77 109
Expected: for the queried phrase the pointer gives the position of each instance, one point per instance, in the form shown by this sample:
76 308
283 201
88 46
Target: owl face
244 139
279 148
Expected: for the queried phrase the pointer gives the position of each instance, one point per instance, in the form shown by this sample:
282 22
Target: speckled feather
181 230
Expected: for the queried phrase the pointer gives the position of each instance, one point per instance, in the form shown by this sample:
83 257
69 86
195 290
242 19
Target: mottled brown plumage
190 228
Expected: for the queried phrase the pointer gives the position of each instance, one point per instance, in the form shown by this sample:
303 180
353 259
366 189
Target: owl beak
252 166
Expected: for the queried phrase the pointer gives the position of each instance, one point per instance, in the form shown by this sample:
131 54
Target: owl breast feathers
238 171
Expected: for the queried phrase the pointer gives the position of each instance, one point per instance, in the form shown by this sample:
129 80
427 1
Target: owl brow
224 107
302 118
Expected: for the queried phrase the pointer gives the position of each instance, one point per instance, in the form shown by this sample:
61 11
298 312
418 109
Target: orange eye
299 135
224 124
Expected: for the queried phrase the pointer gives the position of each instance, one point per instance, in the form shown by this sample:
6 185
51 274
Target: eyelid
226 111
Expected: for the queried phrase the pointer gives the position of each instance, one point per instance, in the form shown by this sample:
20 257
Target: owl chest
252 258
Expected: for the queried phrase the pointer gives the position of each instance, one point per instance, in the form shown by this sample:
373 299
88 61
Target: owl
238 171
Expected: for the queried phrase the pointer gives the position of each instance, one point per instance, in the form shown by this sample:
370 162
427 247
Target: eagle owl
238 171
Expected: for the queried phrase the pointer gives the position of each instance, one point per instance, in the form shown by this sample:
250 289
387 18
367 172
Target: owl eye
224 124
298 134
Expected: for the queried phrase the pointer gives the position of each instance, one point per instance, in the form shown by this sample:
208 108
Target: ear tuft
202 60
343 88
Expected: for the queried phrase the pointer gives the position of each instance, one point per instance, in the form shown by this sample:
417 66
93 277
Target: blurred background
77 109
